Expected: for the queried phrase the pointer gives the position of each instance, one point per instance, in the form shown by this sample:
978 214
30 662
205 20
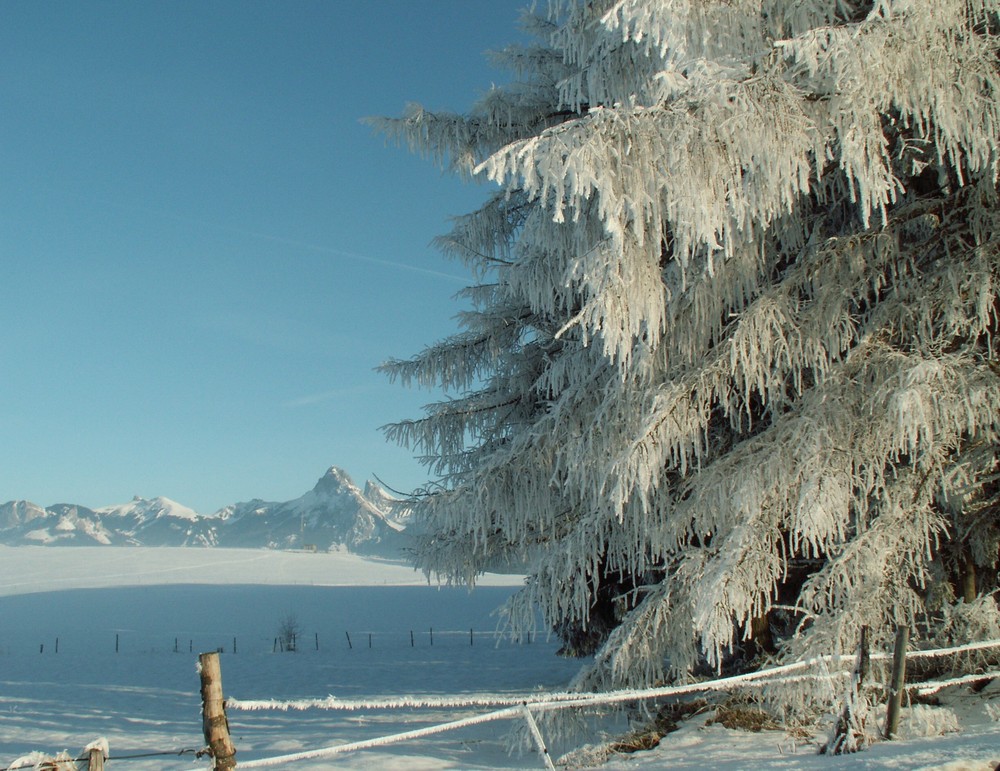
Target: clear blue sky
204 253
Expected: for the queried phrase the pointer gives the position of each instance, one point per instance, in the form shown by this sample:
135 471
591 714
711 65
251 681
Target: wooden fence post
213 710
96 753
896 681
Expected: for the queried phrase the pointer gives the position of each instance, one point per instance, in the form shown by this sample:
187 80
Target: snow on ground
163 606
700 746
26 569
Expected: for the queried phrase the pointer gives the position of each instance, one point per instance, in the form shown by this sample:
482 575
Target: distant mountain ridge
335 514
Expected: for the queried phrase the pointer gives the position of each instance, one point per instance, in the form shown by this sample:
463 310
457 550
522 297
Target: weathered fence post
896 681
97 752
213 710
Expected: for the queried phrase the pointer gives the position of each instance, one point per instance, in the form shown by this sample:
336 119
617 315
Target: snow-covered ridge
335 514
149 509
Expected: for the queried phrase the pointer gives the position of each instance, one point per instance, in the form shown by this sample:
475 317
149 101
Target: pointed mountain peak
334 480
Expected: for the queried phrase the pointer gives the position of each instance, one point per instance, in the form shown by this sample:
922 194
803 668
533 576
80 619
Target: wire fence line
129 642
33 761
524 706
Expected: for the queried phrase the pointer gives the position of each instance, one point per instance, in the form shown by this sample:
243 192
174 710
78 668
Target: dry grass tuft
667 719
743 717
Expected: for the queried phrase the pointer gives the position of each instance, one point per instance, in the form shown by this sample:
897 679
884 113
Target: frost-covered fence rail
524 706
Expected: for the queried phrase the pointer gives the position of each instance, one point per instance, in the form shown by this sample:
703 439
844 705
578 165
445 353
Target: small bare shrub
289 631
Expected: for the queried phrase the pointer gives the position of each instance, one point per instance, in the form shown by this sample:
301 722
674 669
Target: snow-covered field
163 606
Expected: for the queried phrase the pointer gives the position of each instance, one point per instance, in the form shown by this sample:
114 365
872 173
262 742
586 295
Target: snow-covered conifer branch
738 351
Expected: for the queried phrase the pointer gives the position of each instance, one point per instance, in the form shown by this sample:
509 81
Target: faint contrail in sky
325 396
343 253
282 240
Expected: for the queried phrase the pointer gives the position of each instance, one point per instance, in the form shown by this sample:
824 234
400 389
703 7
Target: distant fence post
213 710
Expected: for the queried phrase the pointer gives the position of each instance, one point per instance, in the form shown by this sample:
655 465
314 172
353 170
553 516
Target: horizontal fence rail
550 700
523 706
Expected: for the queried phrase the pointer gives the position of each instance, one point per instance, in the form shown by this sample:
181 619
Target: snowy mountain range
335 514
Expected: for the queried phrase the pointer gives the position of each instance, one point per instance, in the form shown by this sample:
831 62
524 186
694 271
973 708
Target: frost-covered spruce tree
730 381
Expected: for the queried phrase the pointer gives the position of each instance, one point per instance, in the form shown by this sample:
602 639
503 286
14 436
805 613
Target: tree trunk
968 579
760 633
